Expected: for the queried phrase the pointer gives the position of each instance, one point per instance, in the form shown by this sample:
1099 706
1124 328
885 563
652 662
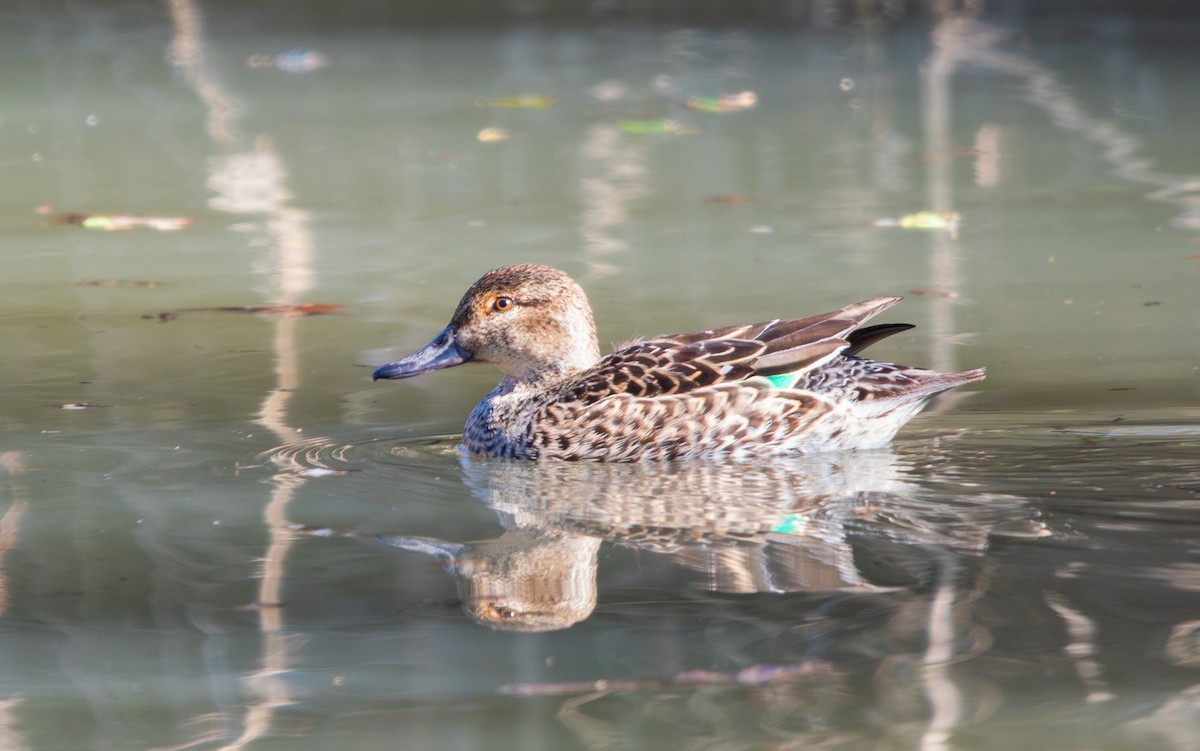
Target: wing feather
681 363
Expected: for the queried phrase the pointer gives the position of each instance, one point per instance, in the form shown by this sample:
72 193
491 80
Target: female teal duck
788 386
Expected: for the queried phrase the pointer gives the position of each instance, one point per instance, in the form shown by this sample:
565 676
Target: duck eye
501 304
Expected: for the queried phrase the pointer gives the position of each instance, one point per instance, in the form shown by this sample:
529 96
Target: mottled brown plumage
777 387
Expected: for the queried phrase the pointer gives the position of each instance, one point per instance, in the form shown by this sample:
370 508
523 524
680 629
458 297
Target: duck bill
442 352
446 553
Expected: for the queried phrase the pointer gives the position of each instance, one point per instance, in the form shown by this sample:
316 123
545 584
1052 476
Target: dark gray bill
442 352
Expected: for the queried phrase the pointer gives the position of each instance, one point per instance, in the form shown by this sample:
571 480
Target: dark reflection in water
838 522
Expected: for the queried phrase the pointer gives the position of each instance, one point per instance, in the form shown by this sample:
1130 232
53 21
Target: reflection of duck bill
524 580
446 553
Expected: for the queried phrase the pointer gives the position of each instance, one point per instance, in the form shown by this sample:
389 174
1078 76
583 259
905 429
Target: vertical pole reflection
936 106
248 178
959 40
269 681
620 179
1081 647
943 695
11 463
188 54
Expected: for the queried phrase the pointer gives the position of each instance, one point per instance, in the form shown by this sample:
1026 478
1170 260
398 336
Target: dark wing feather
666 366
860 339
806 343
681 363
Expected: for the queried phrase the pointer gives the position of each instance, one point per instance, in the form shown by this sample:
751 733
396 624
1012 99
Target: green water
191 497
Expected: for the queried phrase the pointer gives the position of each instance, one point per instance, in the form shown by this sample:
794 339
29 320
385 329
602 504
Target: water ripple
328 456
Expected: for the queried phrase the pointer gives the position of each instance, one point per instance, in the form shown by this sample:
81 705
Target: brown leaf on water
725 103
301 310
928 292
113 222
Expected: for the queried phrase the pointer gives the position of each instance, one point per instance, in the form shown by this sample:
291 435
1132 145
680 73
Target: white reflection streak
252 182
187 55
964 40
944 273
11 738
1081 647
11 463
604 197
944 697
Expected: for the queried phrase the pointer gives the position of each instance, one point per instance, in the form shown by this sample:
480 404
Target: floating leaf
523 102
724 103
120 222
491 135
929 220
654 127
301 310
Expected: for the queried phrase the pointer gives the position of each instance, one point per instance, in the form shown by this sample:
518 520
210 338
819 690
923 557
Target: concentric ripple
329 456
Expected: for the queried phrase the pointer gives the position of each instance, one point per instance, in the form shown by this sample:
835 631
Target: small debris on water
928 292
947 221
302 310
656 127
522 102
491 135
114 222
292 61
724 103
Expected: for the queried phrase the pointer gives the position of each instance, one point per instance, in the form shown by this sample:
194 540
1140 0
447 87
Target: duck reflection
835 522
528 579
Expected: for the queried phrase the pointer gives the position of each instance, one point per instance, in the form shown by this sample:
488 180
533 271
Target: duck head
530 321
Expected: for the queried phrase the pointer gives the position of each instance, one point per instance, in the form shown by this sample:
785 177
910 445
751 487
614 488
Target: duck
781 387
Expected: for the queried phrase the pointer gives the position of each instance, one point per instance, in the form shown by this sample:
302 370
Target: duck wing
663 366
681 363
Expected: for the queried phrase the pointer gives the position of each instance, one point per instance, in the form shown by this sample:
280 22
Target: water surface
216 532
